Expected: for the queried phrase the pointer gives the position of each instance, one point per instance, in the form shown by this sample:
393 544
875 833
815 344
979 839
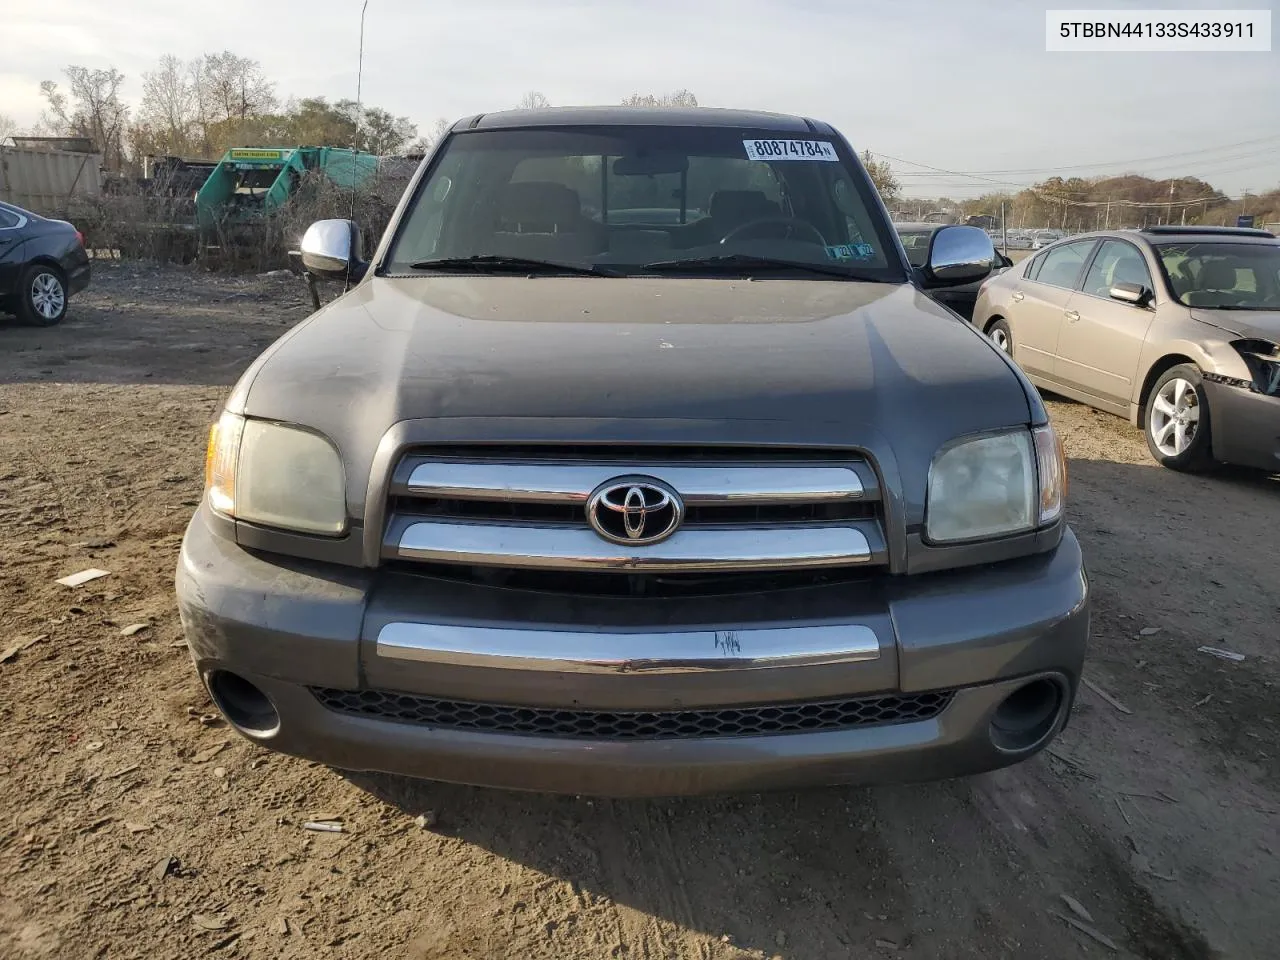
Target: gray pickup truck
637 461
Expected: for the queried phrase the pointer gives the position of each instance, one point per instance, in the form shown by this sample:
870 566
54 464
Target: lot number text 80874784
790 150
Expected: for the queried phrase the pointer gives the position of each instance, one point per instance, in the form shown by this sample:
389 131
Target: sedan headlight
996 485
275 475
1263 360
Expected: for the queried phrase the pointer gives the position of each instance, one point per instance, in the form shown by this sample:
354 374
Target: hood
794 362
1259 324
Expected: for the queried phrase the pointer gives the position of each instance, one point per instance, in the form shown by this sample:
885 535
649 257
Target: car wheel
1001 336
42 296
1177 420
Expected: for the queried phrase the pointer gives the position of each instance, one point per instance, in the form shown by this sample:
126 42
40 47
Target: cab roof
643 116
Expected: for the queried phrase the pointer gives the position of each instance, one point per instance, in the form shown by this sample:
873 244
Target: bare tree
678 98
427 142
8 126
881 175
533 100
170 105
91 108
234 87
384 134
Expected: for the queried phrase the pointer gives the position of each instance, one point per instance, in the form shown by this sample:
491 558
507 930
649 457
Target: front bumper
1246 426
289 626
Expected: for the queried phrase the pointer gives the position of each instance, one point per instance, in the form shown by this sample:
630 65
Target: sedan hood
663 360
1261 324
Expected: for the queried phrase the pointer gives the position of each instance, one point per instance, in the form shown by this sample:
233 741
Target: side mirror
958 254
334 250
1134 293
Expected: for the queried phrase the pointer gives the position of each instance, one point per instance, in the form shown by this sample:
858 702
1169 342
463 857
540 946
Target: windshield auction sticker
790 150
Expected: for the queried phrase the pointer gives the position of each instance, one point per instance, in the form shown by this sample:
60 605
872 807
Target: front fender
1211 352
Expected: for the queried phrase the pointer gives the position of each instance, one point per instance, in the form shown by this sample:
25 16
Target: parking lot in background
137 824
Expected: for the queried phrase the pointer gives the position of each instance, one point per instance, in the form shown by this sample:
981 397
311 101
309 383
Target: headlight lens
1263 360
275 475
995 486
981 488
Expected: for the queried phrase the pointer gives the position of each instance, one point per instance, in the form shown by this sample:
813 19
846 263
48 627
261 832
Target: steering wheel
783 228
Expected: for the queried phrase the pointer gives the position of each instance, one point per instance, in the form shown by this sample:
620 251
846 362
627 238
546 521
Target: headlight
1263 360
995 486
275 475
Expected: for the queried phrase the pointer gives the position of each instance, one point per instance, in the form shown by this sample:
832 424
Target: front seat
541 219
729 209
1216 278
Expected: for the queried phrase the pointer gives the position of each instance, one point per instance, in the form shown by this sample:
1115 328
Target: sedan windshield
1223 276
613 200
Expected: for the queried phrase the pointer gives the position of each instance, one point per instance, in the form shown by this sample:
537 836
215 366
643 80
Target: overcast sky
957 84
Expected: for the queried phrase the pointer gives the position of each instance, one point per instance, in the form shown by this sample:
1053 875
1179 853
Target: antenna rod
356 136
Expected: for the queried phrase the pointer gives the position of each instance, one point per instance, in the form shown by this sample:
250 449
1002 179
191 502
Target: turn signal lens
220 463
1051 465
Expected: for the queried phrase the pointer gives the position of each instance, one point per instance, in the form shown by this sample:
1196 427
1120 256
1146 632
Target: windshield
618 198
1223 276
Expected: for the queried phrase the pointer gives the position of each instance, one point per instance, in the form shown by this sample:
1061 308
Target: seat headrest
536 206
741 205
1217 275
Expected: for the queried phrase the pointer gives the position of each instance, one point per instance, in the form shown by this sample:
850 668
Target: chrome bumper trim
680 652
550 547
701 485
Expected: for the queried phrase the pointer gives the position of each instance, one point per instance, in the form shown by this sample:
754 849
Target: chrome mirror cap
331 248
958 254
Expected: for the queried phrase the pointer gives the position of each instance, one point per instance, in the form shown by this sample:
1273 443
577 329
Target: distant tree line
1075 204
201 107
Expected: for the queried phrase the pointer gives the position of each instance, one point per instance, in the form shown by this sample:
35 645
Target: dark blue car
42 263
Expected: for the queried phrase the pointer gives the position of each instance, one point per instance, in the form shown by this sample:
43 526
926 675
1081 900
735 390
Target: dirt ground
133 825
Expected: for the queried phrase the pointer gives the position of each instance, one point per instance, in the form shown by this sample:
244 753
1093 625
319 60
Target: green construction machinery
249 182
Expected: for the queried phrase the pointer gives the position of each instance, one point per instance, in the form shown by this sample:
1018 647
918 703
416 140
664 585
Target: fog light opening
243 704
1027 716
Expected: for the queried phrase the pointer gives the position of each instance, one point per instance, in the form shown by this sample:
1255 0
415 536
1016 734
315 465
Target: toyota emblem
634 510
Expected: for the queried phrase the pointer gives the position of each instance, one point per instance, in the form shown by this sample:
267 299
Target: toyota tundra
637 460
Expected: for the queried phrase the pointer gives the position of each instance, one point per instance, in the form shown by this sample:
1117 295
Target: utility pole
1108 226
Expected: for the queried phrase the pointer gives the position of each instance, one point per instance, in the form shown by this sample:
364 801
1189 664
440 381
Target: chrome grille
525 508
772 719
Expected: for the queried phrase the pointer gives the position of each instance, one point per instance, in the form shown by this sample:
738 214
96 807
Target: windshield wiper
737 263
1257 307
489 263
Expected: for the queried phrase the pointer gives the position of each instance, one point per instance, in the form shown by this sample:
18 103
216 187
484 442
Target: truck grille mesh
637 725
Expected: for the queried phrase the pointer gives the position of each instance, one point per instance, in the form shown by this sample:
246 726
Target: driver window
1116 262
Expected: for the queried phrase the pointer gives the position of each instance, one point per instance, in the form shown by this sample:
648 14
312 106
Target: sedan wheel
47 296
44 296
1001 336
1178 420
41 296
1175 417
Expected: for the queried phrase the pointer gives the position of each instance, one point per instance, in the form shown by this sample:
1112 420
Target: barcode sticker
790 150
